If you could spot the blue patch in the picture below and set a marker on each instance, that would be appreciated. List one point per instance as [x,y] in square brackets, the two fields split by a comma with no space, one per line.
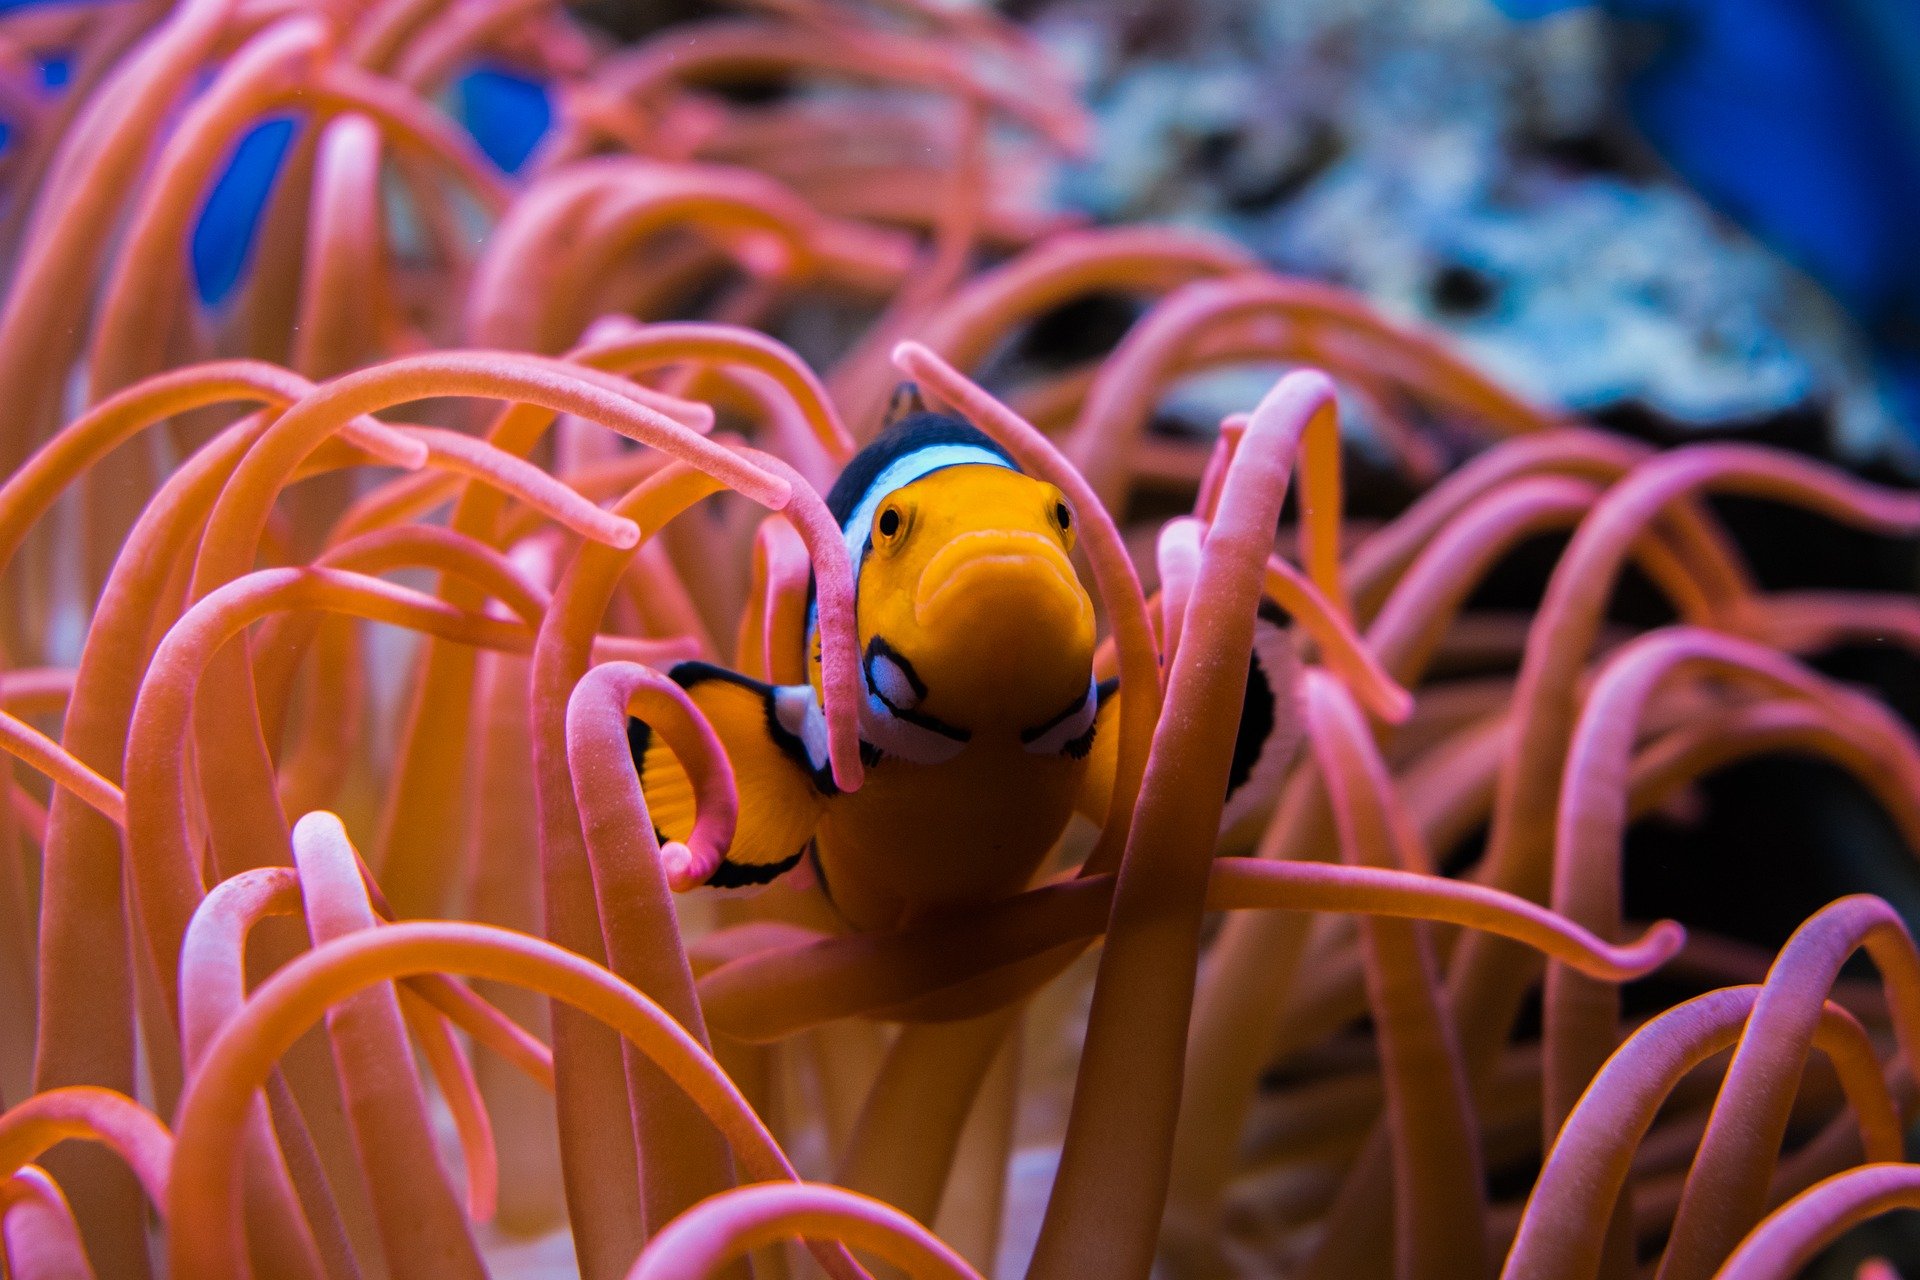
[229,222]
[1800,119]
[507,113]
[55,71]
[1776,114]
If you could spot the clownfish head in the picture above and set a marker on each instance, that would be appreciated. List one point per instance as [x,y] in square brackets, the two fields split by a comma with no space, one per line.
[972,620]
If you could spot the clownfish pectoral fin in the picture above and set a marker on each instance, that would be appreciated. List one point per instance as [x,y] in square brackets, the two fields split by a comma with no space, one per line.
[1269,737]
[1102,758]
[770,741]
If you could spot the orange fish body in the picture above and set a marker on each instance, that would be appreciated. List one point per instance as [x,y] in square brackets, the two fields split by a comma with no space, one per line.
[981,711]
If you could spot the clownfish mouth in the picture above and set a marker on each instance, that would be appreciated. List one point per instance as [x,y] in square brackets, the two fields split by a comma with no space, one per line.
[991,571]
[1002,633]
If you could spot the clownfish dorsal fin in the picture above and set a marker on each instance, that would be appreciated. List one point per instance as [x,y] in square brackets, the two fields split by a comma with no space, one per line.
[1271,730]
[905,401]
[775,741]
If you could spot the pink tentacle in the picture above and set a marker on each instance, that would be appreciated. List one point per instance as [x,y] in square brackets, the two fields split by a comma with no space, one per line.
[421,1226]
[772,644]
[1128,1092]
[633,881]
[1794,1233]
[1564,1231]
[39,1240]
[1439,1197]
[701,1242]
[1177,556]
[1580,1016]
[203,1188]
[28,744]
[212,988]
[135,1134]
[1726,1190]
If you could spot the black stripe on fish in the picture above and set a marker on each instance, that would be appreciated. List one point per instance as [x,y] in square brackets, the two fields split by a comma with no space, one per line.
[689,674]
[1073,709]
[879,648]
[1258,708]
[744,875]
[1256,722]
[1076,748]
[1270,724]
[1040,738]
[1080,747]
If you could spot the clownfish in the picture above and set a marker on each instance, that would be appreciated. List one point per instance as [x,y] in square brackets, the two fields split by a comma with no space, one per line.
[982,729]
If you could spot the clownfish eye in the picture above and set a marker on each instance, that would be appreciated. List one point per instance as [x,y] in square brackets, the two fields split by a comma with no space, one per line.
[887,524]
[1062,516]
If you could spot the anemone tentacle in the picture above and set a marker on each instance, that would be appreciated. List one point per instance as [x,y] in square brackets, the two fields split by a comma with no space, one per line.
[557,411]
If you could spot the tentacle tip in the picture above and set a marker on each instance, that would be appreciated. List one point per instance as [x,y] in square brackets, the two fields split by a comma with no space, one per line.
[848,774]
[1315,377]
[908,353]
[410,457]
[1300,389]
[678,861]
[693,864]
[767,257]
[1392,703]
[1661,943]
[316,820]
[623,534]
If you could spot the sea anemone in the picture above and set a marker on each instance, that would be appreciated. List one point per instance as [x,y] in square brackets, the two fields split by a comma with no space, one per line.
[461,461]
